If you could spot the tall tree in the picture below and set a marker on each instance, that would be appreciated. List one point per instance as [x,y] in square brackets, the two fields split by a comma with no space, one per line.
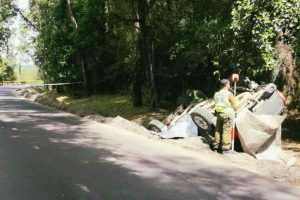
[191,42]
[6,65]
[144,69]
[6,12]
[79,56]
[268,27]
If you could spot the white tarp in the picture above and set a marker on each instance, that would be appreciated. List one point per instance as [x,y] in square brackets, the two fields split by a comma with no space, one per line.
[260,135]
[184,127]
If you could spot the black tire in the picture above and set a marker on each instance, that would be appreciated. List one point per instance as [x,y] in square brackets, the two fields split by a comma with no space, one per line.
[154,128]
[204,126]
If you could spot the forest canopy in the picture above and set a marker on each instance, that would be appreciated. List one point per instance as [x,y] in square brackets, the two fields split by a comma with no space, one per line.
[156,49]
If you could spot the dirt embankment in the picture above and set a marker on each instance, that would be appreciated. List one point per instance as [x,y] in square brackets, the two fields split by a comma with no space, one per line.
[291,135]
[278,171]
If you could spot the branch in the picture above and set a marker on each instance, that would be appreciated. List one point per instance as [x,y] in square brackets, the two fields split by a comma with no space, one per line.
[30,23]
[74,23]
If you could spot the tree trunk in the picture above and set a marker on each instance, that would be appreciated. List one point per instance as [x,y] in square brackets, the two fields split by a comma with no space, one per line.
[153,89]
[141,64]
[80,57]
[139,70]
[74,23]
[20,71]
[84,80]
[284,73]
[137,88]
[145,66]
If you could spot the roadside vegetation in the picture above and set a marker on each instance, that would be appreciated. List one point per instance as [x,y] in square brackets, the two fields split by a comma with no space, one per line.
[29,75]
[111,106]
[153,50]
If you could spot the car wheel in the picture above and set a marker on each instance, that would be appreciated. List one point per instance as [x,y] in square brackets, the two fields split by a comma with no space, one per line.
[201,122]
[154,128]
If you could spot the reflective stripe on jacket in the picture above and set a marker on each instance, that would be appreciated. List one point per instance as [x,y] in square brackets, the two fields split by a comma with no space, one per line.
[222,103]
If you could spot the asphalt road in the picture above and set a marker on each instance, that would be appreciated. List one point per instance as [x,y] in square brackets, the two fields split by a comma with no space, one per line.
[46,154]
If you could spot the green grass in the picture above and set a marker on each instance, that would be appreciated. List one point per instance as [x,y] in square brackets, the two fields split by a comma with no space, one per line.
[112,106]
[29,75]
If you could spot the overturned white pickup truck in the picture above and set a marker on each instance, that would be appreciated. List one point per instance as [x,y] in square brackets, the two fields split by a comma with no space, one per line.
[258,123]
[261,100]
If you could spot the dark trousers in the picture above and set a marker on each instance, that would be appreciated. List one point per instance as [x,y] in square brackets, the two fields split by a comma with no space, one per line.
[223,132]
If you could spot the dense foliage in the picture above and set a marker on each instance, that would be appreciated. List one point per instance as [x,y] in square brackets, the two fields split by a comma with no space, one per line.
[156,49]
[6,12]
[6,65]
[7,72]
[265,33]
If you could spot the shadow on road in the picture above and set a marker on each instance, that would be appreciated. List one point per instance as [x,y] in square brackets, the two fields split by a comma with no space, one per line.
[48,154]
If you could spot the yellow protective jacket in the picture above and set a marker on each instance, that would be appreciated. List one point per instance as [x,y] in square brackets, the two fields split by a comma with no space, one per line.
[222,103]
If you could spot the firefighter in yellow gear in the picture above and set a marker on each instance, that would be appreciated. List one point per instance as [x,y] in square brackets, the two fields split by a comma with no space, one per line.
[225,110]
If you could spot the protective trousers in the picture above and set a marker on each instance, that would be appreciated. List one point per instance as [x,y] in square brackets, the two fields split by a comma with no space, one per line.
[223,132]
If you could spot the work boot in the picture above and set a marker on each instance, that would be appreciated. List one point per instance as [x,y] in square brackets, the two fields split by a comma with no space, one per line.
[220,151]
[229,152]
[223,151]
[214,147]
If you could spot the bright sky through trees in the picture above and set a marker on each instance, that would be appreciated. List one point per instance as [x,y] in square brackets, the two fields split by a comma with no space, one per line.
[23,4]
[18,38]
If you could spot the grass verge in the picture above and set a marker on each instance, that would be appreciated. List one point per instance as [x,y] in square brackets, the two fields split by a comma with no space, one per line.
[111,106]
